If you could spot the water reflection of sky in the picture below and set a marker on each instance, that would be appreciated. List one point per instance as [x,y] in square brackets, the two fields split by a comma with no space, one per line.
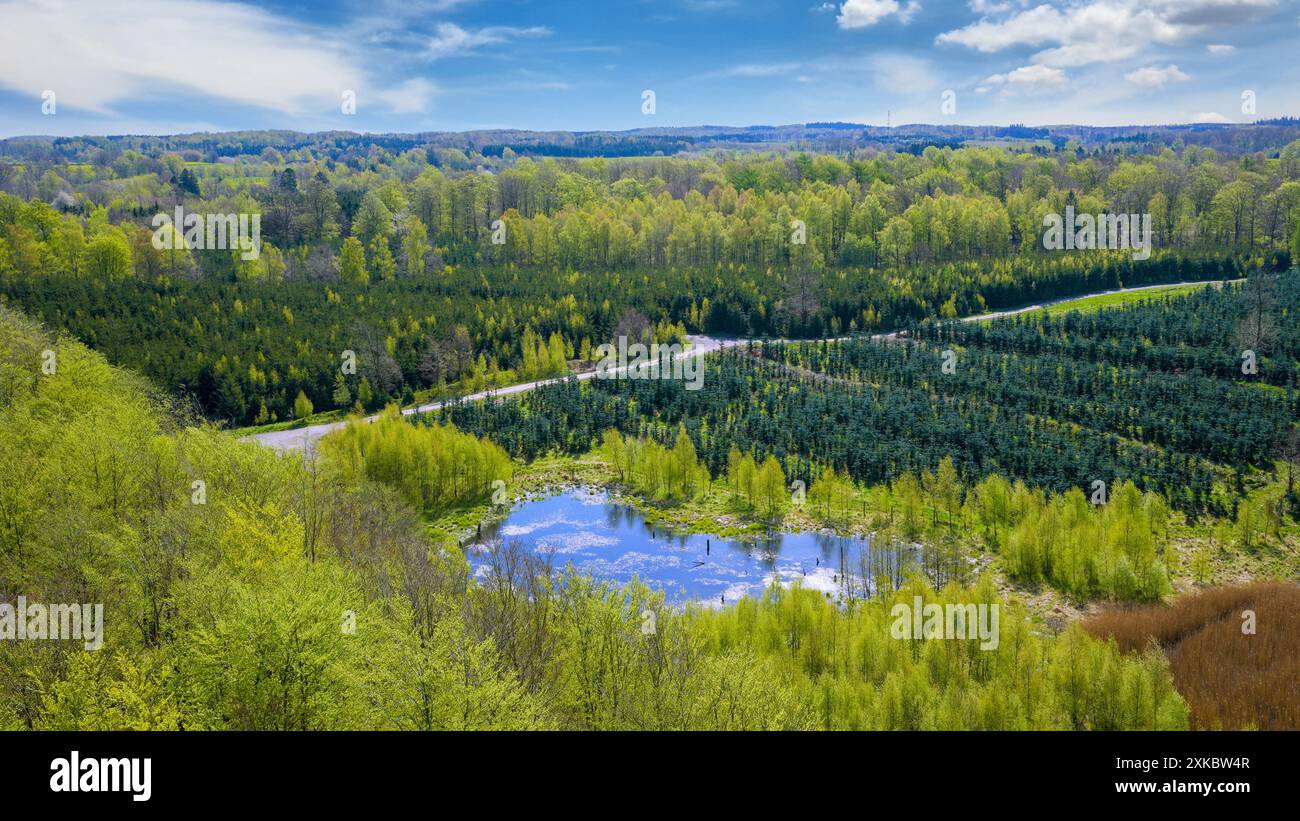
[613,541]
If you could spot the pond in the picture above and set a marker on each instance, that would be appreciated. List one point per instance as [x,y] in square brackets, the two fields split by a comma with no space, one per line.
[613,541]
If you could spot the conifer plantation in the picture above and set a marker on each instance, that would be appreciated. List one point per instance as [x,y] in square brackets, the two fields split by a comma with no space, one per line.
[298,483]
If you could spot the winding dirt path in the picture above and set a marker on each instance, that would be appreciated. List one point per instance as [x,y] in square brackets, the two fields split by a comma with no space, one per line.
[306,437]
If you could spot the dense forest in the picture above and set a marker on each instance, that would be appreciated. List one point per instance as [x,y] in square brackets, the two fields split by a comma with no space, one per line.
[224,609]
[442,274]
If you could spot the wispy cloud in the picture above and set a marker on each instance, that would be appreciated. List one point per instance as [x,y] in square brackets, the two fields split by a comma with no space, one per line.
[890,71]
[96,56]
[450,40]
[903,73]
[409,97]
[710,5]
[760,70]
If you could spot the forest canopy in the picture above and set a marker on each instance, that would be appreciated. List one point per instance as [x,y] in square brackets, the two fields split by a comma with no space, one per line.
[444,274]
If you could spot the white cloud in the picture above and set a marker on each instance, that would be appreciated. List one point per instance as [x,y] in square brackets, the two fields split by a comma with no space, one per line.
[1219,49]
[96,55]
[1209,117]
[856,14]
[451,40]
[1026,80]
[1155,77]
[1098,31]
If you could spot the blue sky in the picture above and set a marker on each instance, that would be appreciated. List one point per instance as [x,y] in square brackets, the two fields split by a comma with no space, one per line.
[165,66]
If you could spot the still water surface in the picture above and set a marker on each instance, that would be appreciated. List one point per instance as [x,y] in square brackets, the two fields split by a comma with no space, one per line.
[613,541]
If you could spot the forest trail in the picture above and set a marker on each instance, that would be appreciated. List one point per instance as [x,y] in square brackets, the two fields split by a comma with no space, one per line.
[306,437]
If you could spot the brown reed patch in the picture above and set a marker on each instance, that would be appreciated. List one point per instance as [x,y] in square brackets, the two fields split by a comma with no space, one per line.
[1230,679]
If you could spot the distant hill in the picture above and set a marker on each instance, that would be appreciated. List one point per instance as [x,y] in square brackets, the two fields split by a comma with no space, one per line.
[1267,136]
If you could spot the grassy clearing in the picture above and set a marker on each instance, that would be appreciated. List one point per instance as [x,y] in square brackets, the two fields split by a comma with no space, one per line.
[1096,303]
[323,417]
